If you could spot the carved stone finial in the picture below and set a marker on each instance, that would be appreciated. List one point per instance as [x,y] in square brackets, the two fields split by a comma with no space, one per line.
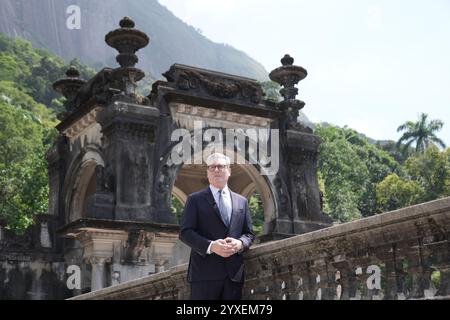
[288,76]
[287,60]
[69,86]
[127,41]
[126,22]
[72,72]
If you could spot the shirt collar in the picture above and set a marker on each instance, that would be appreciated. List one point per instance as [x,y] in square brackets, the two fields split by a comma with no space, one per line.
[215,190]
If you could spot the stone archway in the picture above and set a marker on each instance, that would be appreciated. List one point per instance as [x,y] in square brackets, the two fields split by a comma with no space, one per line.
[179,194]
[84,185]
[245,180]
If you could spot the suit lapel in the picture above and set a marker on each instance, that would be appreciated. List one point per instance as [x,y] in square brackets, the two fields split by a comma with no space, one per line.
[234,205]
[210,198]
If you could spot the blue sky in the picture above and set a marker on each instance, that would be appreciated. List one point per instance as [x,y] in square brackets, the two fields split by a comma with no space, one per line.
[372,65]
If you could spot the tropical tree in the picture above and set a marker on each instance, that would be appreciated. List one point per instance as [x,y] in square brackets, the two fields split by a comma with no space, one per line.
[394,192]
[27,127]
[349,170]
[422,133]
[426,177]
[34,70]
[431,170]
[343,173]
[24,139]
[392,149]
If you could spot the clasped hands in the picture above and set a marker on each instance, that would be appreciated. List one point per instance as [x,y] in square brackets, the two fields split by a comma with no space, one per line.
[226,247]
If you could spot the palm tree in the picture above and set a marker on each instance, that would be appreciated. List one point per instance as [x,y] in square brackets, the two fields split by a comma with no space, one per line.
[421,132]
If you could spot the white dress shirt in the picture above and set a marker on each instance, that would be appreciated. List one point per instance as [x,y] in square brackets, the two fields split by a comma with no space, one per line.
[226,198]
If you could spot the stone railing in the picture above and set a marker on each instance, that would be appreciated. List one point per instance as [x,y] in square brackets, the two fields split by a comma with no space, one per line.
[403,254]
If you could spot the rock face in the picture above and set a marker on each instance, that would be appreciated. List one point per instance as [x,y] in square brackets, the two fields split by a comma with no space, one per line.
[45,24]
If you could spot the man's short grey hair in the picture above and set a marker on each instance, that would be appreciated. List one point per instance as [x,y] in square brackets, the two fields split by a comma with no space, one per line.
[212,158]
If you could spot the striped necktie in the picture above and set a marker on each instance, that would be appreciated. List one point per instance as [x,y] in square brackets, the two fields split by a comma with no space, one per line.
[223,209]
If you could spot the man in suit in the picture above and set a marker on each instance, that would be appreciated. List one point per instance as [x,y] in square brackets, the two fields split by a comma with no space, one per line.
[217,226]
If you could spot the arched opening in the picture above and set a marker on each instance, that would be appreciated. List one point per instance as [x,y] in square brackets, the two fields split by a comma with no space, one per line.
[245,180]
[177,207]
[257,209]
[90,190]
[85,184]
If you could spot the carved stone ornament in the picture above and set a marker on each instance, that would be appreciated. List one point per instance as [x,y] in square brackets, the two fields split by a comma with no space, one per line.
[69,88]
[224,87]
[127,41]
[288,75]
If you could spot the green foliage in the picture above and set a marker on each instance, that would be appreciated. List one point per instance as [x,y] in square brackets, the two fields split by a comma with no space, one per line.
[27,129]
[359,179]
[436,278]
[350,168]
[325,204]
[10,68]
[394,192]
[34,70]
[422,133]
[342,176]
[257,212]
[426,178]
[23,169]
[177,208]
[426,174]
[431,170]
[400,155]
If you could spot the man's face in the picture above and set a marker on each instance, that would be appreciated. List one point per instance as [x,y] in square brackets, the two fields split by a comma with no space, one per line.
[218,173]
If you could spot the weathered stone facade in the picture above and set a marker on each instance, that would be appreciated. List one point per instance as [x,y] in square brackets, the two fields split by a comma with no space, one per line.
[32,266]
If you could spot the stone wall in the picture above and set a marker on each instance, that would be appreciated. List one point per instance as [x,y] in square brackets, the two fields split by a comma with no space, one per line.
[25,277]
[403,254]
[30,266]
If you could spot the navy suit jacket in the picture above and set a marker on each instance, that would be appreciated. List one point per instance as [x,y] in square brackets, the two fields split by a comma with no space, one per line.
[202,224]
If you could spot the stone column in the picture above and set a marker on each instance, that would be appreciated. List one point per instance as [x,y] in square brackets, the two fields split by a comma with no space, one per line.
[98,249]
[98,276]
[129,133]
[129,125]
[305,193]
[300,149]
[45,236]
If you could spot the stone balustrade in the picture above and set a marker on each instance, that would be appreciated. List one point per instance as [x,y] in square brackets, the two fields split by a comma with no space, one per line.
[403,254]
